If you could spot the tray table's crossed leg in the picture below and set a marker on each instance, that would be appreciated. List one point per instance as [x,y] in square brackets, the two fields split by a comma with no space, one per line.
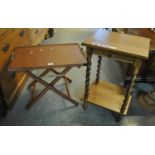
[34,82]
[56,72]
[46,72]
[49,86]
[67,89]
[33,89]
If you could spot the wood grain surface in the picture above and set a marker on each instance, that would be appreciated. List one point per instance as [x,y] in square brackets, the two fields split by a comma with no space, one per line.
[144,32]
[108,95]
[126,44]
[47,56]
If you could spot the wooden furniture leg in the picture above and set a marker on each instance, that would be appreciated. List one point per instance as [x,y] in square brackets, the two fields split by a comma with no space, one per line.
[51,32]
[67,89]
[117,116]
[46,72]
[33,89]
[51,88]
[35,99]
[89,56]
[126,82]
[42,74]
[56,72]
[136,67]
[98,69]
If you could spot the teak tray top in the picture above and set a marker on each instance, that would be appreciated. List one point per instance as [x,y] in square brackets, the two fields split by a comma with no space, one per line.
[120,43]
[47,56]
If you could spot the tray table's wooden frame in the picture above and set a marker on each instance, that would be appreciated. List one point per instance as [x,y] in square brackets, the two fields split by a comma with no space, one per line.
[81,61]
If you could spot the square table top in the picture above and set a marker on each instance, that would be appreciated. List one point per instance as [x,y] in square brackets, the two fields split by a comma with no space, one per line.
[126,44]
[47,56]
[144,32]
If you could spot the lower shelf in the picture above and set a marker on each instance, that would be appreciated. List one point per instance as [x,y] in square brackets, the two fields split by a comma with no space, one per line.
[107,95]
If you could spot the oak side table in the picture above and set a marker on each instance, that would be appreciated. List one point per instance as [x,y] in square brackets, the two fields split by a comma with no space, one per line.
[123,47]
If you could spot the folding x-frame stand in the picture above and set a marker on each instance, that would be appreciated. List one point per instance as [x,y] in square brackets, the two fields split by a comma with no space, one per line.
[51,86]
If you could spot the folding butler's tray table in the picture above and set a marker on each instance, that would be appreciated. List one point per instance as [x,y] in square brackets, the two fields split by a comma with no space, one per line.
[48,57]
[126,48]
